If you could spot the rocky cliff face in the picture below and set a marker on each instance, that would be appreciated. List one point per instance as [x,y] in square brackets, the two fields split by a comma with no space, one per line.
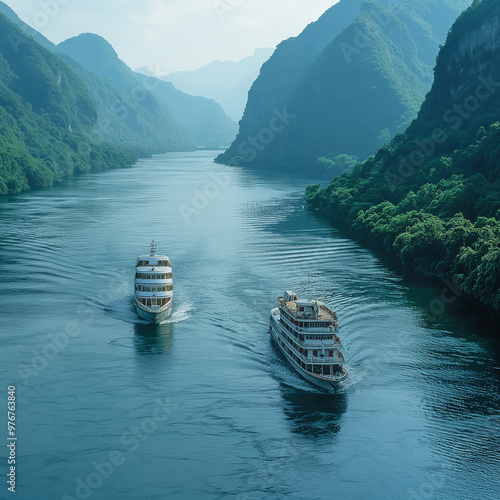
[467,74]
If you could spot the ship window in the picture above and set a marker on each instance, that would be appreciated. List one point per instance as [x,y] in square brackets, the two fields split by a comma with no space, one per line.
[315,354]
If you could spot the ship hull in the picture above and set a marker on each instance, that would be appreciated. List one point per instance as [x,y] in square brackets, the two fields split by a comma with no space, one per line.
[154,316]
[322,382]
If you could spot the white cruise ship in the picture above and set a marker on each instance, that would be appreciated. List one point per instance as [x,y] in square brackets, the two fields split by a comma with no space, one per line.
[153,286]
[306,333]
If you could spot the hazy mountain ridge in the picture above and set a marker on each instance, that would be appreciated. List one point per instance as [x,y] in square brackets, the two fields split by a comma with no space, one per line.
[227,82]
[432,196]
[203,119]
[373,74]
[122,118]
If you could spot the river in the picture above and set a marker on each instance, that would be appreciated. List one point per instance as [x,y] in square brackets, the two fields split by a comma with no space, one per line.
[204,406]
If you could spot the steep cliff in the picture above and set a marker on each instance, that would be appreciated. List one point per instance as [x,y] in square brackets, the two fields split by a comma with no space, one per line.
[431,198]
[285,69]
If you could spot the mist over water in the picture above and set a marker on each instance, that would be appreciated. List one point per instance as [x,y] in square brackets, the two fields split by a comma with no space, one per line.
[204,406]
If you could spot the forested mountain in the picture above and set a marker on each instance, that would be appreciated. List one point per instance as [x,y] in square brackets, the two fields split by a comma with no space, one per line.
[137,121]
[431,197]
[122,118]
[47,117]
[227,82]
[354,95]
[203,118]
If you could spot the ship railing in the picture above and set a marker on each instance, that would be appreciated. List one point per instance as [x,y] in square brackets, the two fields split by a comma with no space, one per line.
[336,359]
[150,309]
[315,330]
[312,343]
[323,330]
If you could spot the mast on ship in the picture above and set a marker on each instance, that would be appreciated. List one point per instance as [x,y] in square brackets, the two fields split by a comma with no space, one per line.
[153,246]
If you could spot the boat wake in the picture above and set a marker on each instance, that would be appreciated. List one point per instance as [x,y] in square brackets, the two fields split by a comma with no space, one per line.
[180,313]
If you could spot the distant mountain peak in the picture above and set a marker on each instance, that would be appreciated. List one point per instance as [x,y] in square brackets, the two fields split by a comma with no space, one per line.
[227,82]
[93,44]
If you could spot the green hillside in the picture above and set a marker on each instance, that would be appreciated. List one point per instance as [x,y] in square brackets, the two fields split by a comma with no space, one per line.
[431,197]
[129,120]
[47,117]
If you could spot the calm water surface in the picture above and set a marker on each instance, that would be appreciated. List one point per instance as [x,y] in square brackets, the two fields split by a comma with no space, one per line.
[204,407]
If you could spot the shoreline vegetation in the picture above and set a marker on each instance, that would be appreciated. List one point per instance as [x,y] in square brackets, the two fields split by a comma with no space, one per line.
[431,197]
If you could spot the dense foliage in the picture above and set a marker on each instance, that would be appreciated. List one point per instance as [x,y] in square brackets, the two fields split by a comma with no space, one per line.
[46,118]
[432,196]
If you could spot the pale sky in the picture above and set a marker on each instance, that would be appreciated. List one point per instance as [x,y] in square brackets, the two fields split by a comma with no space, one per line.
[172,35]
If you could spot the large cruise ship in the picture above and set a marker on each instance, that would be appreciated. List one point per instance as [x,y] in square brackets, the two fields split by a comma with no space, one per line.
[306,333]
[153,286]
